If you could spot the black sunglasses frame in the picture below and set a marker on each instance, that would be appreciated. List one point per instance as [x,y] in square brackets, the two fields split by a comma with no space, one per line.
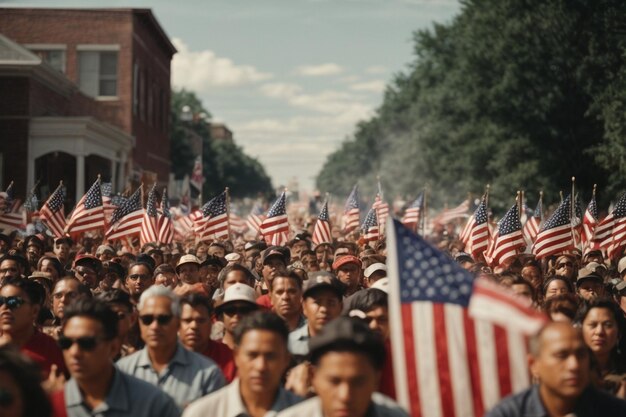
[12,302]
[162,319]
[86,343]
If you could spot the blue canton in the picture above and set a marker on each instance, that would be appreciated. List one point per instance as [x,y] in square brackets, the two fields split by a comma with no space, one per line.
[165,204]
[353,199]
[510,222]
[324,213]
[370,220]
[130,205]
[278,208]
[93,198]
[151,205]
[560,217]
[215,207]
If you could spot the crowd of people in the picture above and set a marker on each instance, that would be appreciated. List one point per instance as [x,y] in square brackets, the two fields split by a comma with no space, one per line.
[246,329]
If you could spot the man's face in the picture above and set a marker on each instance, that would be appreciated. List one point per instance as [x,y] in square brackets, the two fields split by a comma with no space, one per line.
[63,294]
[235,277]
[234,312]
[562,364]
[9,269]
[320,307]
[217,251]
[106,255]
[297,248]
[86,364]
[350,275]
[189,273]
[271,267]
[33,253]
[345,382]
[208,274]
[87,276]
[62,251]
[378,320]
[590,289]
[138,280]
[20,318]
[155,334]
[286,297]
[47,266]
[261,360]
[310,263]
[195,327]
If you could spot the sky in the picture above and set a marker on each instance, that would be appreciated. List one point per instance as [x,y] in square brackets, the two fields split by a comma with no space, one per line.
[290,78]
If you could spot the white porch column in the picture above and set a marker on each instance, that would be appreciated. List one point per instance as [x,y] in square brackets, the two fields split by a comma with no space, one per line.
[113,174]
[80,176]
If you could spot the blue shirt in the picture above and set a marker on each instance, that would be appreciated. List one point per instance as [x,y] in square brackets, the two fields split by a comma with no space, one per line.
[186,378]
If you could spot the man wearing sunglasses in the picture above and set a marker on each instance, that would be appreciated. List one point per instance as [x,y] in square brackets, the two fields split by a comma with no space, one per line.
[89,341]
[239,301]
[164,362]
[139,278]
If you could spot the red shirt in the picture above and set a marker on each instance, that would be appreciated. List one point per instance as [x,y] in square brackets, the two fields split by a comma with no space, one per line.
[223,356]
[265,301]
[44,350]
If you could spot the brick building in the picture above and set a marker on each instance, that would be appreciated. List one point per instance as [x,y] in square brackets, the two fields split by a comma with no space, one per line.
[84,92]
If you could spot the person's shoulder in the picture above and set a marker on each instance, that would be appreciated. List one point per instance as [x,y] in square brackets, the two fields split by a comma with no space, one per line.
[310,407]
[211,403]
[385,406]
[604,402]
[127,363]
[151,395]
[517,404]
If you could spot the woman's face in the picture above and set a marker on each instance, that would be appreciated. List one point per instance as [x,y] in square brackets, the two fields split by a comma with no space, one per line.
[556,287]
[600,330]
[11,402]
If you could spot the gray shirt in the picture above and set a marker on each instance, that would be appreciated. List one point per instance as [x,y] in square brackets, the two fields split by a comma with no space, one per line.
[186,378]
[299,341]
[128,397]
[227,402]
[381,406]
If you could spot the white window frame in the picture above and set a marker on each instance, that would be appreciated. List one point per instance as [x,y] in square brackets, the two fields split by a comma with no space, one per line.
[46,47]
[86,47]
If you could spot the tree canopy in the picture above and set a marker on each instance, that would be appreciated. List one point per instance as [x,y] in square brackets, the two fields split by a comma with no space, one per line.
[521,95]
[224,164]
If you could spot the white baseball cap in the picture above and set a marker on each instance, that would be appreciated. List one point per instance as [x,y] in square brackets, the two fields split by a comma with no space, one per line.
[381,284]
[378,266]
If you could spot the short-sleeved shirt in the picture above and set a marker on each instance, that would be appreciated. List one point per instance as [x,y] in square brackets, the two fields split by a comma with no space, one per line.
[299,341]
[45,351]
[128,397]
[223,356]
[227,402]
[187,377]
[381,406]
[592,402]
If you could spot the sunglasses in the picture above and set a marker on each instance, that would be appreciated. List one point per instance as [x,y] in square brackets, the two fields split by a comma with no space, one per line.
[564,264]
[87,343]
[162,319]
[12,301]
[242,311]
[6,398]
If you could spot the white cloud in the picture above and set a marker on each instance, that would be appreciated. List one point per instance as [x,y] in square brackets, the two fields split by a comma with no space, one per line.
[374,86]
[376,69]
[200,70]
[319,70]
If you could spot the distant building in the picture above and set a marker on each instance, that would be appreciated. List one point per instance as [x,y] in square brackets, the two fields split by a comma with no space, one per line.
[219,131]
[84,92]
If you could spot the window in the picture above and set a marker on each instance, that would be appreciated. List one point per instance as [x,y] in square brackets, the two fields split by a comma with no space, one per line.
[97,73]
[55,58]
[135,88]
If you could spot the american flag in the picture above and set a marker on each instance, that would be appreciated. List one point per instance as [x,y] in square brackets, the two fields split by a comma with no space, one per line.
[479,231]
[127,219]
[9,201]
[532,225]
[31,205]
[197,179]
[275,227]
[107,190]
[166,227]
[411,218]
[237,223]
[448,362]
[590,221]
[11,218]
[555,236]
[460,211]
[52,213]
[149,225]
[88,213]
[322,230]
[255,218]
[351,213]
[381,207]
[214,221]
[183,225]
[508,241]
[611,232]
[369,228]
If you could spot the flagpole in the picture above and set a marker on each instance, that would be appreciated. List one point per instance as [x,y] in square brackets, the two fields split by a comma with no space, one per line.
[541,199]
[572,209]
[519,198]
[424,216]
[226,190]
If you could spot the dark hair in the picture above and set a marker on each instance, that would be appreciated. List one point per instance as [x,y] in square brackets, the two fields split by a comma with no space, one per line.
[116,296]
[164,269]
[292,275]
[602,302]
[95,309]
[34,290]
[566,304]
[197,300]
[235,267]
[56,264]
[518,280]
[27,376]
[307,252]
[567,282]
[370,299]
[144,264]
[261,320]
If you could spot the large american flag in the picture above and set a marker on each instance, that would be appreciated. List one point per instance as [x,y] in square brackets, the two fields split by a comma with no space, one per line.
[214,221]
[479,231]
[107,191]
[509,240]
[149,225]
[590,221]
[611,232]
[166,227]
[555,236]
[88,213]
[447,362]
[351,213]
[533,223]
[127,219]
[412,215]
[322,230]
[370,229]
[255,218]
[275,227]
[52,213]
